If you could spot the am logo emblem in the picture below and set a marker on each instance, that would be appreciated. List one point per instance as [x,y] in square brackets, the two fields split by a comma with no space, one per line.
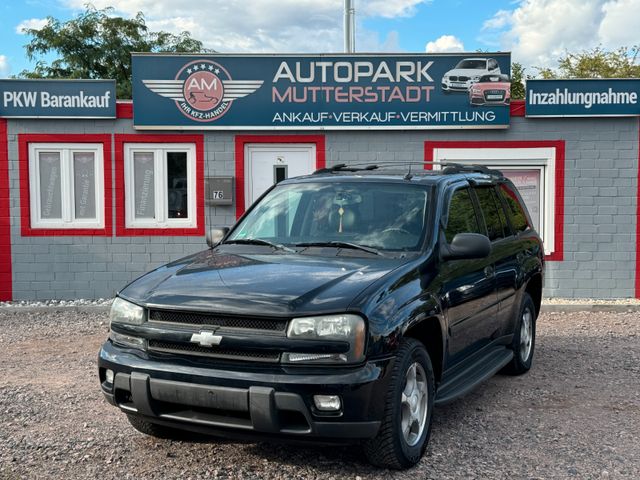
[203,90]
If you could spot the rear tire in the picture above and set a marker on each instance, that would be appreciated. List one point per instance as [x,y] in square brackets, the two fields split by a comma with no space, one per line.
[406,425]
[155,430]
[524,338]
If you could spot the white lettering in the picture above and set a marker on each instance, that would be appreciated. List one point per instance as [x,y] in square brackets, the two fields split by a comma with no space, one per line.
[284,72]
[585,99]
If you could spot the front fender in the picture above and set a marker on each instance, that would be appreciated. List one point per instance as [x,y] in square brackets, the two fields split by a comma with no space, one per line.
[397,311]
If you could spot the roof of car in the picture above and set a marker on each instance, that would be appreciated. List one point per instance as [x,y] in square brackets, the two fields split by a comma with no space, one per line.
[400,173]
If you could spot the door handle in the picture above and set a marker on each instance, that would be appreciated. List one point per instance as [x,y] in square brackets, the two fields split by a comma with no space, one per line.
[488,271]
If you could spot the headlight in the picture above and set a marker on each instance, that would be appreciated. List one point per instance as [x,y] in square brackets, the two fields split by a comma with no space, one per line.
[126,312]
[476,78]
[345,327]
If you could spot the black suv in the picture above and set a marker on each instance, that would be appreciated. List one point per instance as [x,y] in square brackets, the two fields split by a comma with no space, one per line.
[342,307]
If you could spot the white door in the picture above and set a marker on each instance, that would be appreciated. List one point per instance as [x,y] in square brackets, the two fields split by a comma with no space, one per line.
[267,164]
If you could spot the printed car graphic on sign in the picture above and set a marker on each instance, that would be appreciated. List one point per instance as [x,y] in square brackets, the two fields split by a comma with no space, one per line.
[491,90]
[467,72]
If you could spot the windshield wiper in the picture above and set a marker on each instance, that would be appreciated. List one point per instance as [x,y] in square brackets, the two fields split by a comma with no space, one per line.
[339,244]
[259,241]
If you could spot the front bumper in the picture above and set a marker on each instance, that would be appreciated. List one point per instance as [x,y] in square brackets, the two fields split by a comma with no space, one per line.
[481,99]
[243,403]
[461,86]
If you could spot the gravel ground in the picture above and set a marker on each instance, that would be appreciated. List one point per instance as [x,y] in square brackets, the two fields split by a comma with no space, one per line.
[106,302]
[576,414]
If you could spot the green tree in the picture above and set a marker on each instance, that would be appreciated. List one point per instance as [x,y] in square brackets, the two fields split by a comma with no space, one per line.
[596,63]
[97,44]
[517,81]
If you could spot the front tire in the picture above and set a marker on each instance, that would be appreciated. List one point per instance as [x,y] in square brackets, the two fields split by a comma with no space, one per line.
[406,426]
[524,338]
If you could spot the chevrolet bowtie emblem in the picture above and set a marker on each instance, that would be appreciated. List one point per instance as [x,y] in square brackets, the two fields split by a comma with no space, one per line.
[206,339]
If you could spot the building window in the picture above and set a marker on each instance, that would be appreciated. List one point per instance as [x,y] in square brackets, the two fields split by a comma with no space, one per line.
[160,185]
[66,185]
[532,169]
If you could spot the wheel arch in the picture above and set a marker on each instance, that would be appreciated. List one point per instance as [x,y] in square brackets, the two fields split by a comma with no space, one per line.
[429,331]
[534,289]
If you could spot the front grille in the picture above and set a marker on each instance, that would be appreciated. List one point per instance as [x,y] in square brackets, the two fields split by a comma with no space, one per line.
[196,318]
[498,95]
[213,352]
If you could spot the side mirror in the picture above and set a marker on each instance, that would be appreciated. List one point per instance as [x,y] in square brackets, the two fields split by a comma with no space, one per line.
[215,235]
[467,246]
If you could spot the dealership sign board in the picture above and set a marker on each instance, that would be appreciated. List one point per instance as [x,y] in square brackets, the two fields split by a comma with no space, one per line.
[45,98]
[321,91]
[583,98]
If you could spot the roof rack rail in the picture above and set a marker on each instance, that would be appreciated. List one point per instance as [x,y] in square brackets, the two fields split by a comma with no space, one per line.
[343,167]
[451,168]
[448,168]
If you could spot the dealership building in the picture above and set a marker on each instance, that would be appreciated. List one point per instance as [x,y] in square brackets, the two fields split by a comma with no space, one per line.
[95,192]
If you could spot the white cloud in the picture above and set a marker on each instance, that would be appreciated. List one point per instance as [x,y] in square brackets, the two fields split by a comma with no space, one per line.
[538,32]
[36,23]
[500,19]
[389,8]
[620,23]
[369,41]
[5,68]
[445,44]
[264,25]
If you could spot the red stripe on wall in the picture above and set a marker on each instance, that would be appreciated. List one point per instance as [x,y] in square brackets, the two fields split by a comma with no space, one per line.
[242,140]
[517,108]
[638,221]
[124,110]
[6,286]
[558,253]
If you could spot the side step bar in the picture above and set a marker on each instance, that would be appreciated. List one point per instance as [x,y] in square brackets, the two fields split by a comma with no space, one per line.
[466,379]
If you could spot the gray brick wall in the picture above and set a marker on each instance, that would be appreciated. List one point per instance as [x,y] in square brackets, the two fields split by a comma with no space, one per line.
[70,267]
[601,168]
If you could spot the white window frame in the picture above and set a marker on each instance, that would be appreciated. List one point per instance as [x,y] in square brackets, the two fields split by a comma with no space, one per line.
[526,158]
[68,220]
[161,188]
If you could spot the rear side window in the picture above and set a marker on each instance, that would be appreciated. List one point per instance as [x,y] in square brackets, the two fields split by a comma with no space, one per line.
[493,213]
[516,211]
[462,216]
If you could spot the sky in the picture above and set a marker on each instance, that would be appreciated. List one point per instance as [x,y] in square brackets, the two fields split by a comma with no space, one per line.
[537,32]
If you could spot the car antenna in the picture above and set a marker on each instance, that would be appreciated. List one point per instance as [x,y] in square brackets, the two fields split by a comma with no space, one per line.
[409,175]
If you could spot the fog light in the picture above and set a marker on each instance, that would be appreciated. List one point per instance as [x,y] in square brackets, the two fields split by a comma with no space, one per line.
[108,376]
[127,340]
[314,358]
[327,403]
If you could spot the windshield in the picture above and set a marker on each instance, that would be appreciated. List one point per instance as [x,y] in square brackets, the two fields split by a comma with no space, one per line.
[493,78]
[473,64]
[383,216]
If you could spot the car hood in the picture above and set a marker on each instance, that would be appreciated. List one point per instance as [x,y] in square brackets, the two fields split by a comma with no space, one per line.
[467,72]
[259,283]
[493,86]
